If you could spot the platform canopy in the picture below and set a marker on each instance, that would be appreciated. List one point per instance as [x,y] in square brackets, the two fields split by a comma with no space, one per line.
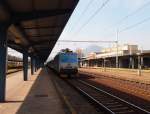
[35,25]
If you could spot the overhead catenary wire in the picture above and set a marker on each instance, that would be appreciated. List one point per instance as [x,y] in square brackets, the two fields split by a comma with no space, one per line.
[129,15]
[92,16]
[136,24]
[87,41]
[127,28]
[83,13]
[133,13]
[124,18]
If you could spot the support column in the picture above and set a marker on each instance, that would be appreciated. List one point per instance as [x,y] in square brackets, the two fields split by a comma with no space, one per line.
[32,65]
[3,54]
[142,63]
[104,64]
[35,65]
[139,65]
[131,62]
[42,64]
[25,65]
[120,63]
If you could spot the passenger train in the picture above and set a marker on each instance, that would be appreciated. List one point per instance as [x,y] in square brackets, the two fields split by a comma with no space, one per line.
[14,62]
[65,63]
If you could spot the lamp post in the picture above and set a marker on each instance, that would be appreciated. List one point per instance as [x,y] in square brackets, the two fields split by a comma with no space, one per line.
[104,64]
[141,57]
[130,53]
[117,48]
[139,64]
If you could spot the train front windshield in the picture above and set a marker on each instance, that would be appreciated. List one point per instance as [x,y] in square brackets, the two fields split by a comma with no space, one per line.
[68,58]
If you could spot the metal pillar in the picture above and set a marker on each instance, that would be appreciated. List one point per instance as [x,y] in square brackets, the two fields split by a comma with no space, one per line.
[104,64]
[142,62]
[35,67]
[117,58]
[3,54]
[37,64]
[139,66]
[32,65]
[25,65]
[131,62]
[120,63]
[41,64]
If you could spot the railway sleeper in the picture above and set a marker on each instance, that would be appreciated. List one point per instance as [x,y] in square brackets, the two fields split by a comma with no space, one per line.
[111,103]
[126,112]
[120,108]
[108,101]
[102,98]
[118,105]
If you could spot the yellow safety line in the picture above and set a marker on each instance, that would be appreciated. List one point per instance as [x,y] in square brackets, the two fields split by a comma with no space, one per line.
[69,105]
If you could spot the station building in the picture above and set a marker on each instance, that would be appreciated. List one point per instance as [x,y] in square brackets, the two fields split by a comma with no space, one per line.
[127,56]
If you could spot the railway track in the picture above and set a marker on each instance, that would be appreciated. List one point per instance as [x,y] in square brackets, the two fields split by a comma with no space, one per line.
[14,71]
[136,89]
[135,83]
[105,101]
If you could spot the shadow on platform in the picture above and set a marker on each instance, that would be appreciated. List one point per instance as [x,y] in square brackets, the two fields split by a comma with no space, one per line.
[34,101]
[35,96]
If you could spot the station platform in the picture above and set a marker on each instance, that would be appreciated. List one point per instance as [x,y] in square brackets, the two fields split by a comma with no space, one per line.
[35,96]
[130,75]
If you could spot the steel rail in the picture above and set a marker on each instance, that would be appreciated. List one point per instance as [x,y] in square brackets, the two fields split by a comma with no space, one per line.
[124,101]
[108,111]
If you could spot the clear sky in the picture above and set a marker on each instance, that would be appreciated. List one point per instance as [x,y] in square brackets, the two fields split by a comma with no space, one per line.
[104,25]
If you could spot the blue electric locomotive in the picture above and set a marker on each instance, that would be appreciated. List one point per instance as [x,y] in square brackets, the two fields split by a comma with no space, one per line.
[65,63]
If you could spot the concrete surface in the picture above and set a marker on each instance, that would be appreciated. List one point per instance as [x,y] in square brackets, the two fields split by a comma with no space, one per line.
[35,96]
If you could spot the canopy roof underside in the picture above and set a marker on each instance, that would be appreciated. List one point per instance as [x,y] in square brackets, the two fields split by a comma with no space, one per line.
[35,24]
